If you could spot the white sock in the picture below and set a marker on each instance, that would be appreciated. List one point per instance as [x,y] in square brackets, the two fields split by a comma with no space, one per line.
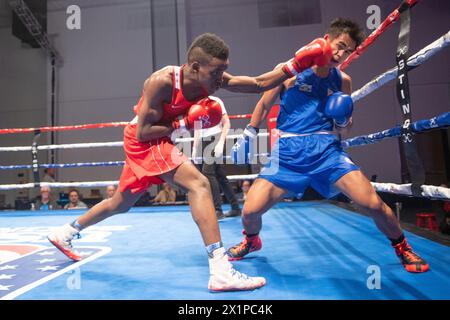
[210,249]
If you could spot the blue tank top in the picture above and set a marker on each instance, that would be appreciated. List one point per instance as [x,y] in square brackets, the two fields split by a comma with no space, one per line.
[301,106]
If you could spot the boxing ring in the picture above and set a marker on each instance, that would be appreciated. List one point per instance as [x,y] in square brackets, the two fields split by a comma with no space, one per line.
[311,249]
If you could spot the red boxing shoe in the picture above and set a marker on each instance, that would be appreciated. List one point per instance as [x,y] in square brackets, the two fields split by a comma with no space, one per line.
[410,260]
[249,244]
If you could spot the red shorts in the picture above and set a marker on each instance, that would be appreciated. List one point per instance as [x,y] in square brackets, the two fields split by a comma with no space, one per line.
[146,161]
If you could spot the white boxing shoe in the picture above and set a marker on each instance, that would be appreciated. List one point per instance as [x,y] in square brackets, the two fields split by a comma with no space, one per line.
[62,238]
[223,277]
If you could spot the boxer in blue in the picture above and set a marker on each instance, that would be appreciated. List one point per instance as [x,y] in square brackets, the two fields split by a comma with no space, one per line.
[308,152]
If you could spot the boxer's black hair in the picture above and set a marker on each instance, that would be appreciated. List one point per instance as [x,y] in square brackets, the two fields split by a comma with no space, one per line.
[210,45]
[341,25]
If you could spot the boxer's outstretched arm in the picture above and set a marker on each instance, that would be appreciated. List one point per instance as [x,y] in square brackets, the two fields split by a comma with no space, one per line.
[318,52]
[257,84]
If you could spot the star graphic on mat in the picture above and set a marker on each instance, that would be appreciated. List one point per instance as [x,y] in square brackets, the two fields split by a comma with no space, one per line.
[48,268]
[4,288]
[6,276]
[46,253]
[8,267]
[85,253]
[45,260]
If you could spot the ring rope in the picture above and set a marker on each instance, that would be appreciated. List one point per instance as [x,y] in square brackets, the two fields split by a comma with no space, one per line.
[432,192]
[413,62]
[95,183]
[437,122]
[65,165]
[442,120]
[97,144]
[89,126]
[58,185]
[392,17]
[65,128]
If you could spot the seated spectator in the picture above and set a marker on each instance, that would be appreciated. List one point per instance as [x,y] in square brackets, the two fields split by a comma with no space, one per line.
[74,201]
[167,194]
[244,187]
[45,202]
[110,190]
[144,201]
[49,175]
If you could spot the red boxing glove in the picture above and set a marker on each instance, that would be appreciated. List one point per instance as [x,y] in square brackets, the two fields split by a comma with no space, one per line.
[207,112]
[317,53]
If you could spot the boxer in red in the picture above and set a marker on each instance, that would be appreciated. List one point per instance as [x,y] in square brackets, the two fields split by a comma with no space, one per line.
[175,98]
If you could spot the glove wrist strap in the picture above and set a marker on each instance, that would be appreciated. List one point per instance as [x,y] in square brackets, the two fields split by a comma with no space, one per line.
[342,125]
[251,131]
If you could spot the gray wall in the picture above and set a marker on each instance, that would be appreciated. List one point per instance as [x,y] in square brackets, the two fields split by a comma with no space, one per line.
[23,103]
[106,62]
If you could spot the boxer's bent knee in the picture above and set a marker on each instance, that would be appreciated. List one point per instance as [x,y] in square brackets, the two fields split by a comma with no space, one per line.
[200,184]
[252,208]
[373,204]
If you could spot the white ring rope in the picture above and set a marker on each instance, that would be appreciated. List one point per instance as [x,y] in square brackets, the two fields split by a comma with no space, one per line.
[231,137]
[97,183]
[432,192]
[59,185]
[413,61]
[99,144]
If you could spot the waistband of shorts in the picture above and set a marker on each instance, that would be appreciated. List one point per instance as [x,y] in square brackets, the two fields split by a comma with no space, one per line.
[290,134]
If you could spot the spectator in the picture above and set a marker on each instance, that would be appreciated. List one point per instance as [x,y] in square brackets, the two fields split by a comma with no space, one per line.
[144,201]
[49,175]
[74,201]
[213,167]
[45,202]
[244,187]
[110,190]
[167,194]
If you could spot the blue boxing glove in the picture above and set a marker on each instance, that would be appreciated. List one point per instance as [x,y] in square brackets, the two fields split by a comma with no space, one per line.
[242,151]
[339,107]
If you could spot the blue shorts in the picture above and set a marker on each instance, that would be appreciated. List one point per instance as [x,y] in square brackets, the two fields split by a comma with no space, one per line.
[315,160]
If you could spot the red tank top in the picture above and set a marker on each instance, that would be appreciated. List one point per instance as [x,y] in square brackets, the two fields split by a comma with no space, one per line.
[179,104]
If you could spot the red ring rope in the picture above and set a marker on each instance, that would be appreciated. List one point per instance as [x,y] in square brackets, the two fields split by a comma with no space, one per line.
[394,16]
[89,126]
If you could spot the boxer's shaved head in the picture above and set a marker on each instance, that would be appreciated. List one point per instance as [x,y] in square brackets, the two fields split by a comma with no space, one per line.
[207,46]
